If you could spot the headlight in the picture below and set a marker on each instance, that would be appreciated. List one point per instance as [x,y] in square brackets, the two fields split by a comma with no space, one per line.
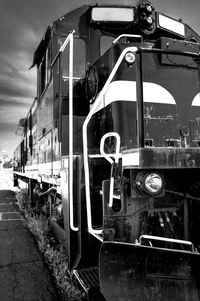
[130,57]
[150,183]
[149,8]
[149,20]
[153,183]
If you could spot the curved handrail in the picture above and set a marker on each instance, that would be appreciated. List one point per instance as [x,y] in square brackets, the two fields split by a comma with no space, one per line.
[166,239]
[116,156]
[85,141]
[137,36]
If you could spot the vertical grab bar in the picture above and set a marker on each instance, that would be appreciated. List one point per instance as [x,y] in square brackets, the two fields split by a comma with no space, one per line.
[71,201]
[69,40]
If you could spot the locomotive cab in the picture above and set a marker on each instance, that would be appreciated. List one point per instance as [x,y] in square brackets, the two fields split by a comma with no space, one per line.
[146,84]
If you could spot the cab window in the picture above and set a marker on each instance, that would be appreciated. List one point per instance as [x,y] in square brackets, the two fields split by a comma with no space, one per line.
[45,70]
[78,59]
[105,43]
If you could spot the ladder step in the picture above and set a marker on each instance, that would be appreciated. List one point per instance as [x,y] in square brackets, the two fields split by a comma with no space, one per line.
[88,278]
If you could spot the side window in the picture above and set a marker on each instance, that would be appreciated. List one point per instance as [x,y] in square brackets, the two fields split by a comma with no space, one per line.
[78,59]
[105,43]
[45,71]
[43,75]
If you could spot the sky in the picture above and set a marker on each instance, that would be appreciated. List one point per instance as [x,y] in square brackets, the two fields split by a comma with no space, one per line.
[22,26]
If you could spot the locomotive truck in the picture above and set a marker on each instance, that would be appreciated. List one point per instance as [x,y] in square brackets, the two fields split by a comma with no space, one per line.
[115,128]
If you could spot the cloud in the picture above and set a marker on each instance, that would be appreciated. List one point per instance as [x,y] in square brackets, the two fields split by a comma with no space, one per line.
[13,101]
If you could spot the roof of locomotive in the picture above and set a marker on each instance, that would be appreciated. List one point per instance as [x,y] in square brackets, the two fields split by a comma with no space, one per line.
[71,20]
[66,23]
[74,20]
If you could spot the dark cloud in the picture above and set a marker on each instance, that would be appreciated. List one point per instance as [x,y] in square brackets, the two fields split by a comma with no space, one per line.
[8,126]
[21,90]
[12,103]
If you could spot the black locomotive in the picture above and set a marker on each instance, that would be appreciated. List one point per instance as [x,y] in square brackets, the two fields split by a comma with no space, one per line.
[115,127]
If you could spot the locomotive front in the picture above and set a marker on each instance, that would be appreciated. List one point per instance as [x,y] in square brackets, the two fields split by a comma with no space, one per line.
[147,114]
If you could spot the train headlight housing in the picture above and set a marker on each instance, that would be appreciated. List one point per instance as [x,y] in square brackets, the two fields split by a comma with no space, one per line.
[146,17]
[130,57]
[150,183]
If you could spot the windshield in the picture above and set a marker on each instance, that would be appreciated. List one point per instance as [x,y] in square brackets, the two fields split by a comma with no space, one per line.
[78,56]
[105,43]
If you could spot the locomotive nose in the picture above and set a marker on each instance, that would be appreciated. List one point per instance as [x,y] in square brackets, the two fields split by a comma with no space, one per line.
[128,272]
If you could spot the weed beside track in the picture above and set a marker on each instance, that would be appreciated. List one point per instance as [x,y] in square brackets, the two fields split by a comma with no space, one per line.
[51,249]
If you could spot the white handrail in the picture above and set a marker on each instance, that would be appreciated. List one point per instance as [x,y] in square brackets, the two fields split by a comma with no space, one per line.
[127,36]
[69,40]
[108,158]
[71,201]
[166,239]
[62,48]
[116,154]
[85,142]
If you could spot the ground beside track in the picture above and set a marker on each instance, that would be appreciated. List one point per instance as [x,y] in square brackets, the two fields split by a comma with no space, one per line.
[23,274]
